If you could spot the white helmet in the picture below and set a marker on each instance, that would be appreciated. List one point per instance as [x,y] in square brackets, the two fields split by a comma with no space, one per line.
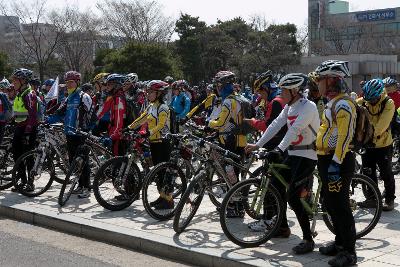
[333,68]
[293,81]
[132,77]
[4,84]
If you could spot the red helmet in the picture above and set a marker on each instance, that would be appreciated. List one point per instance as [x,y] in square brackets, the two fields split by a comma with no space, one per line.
[72,75]
[157,85]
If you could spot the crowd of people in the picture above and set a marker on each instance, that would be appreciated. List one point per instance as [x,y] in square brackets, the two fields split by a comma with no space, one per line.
[307,121]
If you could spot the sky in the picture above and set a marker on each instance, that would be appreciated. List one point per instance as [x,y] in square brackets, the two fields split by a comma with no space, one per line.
[276,11]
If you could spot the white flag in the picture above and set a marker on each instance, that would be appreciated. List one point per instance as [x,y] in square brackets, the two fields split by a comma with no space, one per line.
[53,92]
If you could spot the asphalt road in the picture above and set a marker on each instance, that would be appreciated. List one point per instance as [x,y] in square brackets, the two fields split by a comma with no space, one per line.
[27,245]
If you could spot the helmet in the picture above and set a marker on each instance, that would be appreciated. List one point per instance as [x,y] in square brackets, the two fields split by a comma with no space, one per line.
[100,78]
[4,84]
[181,84]
[22,73]
[210,88]
[72,75]
[333,68]
[49,82]
[35,81]
[169,79]
[312,81]
[157,85]
[132,78]
[224,77]
[293,81]
[263,80]
[389,81]
[87,87]
[373,89]
[117,78]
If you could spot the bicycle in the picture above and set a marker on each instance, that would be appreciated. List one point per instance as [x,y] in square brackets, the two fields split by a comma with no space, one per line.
[76,167]
[254,193]
[212,159]
[6,163]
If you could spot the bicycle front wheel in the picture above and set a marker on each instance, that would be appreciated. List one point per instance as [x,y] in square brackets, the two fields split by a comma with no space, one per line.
[365,203]
[71,180]
[190,202]
[240,227]
[6,166]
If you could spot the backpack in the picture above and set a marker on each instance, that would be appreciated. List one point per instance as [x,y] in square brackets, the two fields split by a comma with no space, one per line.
[248,112]
[7,108]
[364,130]
[131,111]
[89,120]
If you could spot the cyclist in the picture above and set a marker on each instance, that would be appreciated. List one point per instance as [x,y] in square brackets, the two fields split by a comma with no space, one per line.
[269,93]
[25,113]
[180,104]
[5,106]
[392,91]
[116,105]
[157,117]
[99,100]
[75,110]
[336,162]
[134,107]
[302,120]
[314,94]
[168,94]
[381,108]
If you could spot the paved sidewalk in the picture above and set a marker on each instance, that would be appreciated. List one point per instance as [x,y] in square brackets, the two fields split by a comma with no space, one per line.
[203,243]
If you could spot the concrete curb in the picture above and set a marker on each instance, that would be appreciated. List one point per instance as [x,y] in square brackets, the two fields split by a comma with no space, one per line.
[151,243]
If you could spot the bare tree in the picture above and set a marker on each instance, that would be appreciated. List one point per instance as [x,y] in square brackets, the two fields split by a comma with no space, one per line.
[79,34]
[34,38]
[258,22]
[136,20]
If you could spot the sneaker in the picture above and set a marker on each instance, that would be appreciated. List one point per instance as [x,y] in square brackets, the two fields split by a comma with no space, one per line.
[156,202]
[164,204]
[367,204]
[330,250]
[77,191]
[388,205]
[343,259]
[282,232]
[85,193]
[233,212]
[262,225]
[14,189]
[29,188]
[304,247]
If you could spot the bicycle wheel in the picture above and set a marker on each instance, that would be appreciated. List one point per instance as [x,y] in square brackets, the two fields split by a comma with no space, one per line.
[71,180]
[33,173]
[162,176]
[362,188]
[108,186]
[6,166]
[190,202]
[238,229]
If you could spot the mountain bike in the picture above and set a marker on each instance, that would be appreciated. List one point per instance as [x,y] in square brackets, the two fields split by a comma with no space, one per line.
[6,163]
[262,201]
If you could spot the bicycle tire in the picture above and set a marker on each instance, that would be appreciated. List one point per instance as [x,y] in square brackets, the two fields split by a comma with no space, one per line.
[103,174]
[47,165]
[6,175]
[195,184]
[365,180]
[150,178]
[232,235]
[69,185]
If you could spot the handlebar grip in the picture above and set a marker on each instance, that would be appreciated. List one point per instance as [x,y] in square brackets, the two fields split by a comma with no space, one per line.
[233,155]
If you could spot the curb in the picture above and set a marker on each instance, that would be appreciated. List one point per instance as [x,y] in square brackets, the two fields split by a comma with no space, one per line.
[149,245]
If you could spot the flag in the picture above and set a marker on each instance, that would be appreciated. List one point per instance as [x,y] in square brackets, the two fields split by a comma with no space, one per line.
[53,92]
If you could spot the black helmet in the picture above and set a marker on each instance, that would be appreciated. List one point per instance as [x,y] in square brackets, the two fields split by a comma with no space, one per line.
[87,87]
[35,81]
[169,80]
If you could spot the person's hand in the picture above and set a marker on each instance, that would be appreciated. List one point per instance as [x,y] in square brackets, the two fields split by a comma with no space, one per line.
[334,171]
[144,134]
[275,155]
[250,148]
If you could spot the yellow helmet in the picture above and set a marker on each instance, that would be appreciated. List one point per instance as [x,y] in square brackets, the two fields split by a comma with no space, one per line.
[313,81]
[261,80]
[101,77]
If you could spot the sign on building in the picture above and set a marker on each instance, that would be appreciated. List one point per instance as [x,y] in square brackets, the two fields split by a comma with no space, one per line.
[374,15]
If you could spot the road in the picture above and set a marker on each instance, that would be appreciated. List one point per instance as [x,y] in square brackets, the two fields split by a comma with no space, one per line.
[27,245]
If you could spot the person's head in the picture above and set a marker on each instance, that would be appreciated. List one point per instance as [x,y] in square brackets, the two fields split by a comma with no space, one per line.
[5,85]
[390,84]
[48,84]
[209,89]
[99,81]
[313,92]
[130,81]
[223,82]
[179,86]
[155,90]
[169,80]
[373,90]
[87,88]
[330,77]
[35,83]
[292,86]
[265,86]
[20,78]
[114,82]
[72,80]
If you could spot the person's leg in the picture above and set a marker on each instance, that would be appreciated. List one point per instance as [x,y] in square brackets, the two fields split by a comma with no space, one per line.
[384,162]
[18,144]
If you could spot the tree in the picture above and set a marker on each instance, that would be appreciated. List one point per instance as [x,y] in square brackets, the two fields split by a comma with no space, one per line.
[149,61]
[136,20]
[5,69]
[35,39]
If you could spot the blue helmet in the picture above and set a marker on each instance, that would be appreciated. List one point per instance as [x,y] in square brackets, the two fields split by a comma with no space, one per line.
[373,89]
[49,82]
